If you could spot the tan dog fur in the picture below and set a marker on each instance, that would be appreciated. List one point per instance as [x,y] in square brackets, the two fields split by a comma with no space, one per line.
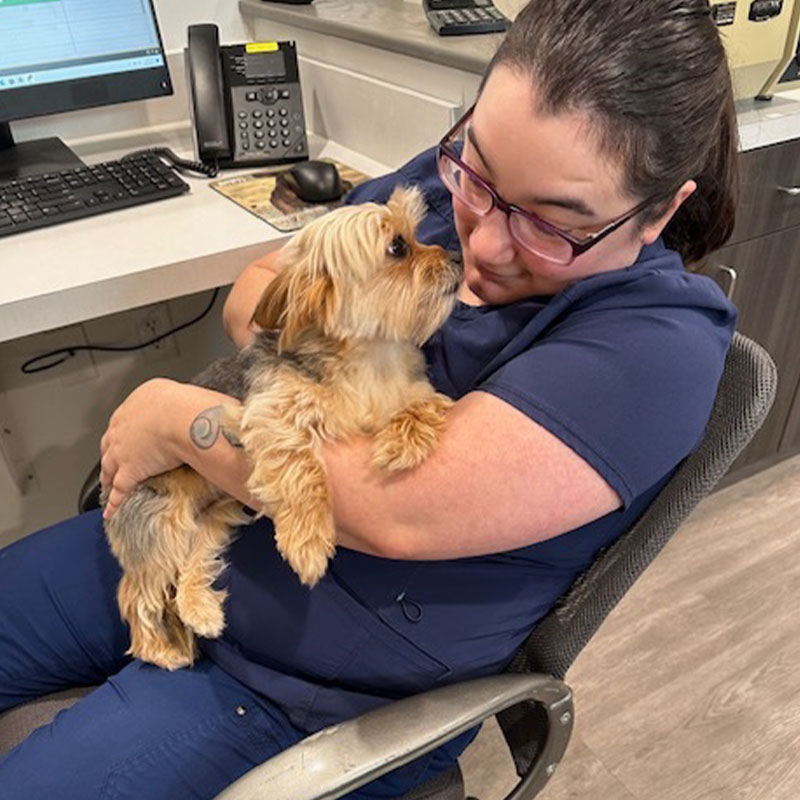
[338,357]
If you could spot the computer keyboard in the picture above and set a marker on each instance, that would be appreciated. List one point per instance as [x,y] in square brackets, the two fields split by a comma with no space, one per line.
[54,197]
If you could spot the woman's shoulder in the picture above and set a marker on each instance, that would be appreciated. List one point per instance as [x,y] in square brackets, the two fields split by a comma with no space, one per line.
[658,276]
[659,280]
[420,171]
[625,371]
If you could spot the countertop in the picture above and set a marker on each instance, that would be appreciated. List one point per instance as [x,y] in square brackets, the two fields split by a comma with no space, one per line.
[142,255]
[394,25]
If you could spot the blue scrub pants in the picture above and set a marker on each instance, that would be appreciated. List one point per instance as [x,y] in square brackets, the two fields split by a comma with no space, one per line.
[144,732]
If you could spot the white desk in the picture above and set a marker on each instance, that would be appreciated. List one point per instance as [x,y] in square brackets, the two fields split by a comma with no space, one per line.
[124,259]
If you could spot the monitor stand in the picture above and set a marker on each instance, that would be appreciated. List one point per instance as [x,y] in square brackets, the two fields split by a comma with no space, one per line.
[23,159]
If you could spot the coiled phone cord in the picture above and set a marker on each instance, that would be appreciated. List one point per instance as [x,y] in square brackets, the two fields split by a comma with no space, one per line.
[173,160]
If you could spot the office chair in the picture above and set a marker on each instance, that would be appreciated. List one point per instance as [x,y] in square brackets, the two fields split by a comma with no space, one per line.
[532,704]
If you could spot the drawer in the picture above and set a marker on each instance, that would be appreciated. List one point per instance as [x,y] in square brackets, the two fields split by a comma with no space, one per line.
[763,206]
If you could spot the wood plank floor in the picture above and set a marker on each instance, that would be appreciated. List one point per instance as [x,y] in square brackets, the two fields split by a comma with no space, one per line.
[691,688]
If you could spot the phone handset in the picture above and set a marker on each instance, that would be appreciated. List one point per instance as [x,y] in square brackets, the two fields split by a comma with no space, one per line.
[206,89]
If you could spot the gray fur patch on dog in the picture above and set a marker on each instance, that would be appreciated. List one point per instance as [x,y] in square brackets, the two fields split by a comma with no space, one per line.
[227,375]
[140,540]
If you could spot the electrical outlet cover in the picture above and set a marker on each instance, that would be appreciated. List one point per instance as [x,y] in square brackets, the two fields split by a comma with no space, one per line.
[155,321]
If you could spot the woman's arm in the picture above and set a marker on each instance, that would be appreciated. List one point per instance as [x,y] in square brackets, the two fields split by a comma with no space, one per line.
[496,481]
[163,424]
[244,296]
[152,432]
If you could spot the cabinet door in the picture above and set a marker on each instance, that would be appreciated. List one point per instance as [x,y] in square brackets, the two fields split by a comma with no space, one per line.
[767,294]
[790,443]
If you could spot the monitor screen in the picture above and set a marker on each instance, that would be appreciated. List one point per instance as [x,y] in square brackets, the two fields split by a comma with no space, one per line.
[64,55]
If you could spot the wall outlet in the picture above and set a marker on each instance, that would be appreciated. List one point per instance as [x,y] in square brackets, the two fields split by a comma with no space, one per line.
[156,321]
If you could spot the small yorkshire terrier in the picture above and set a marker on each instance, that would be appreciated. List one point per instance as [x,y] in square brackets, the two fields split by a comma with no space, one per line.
[337,356]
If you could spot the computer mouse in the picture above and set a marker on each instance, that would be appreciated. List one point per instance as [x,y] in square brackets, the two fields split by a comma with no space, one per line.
[313,181]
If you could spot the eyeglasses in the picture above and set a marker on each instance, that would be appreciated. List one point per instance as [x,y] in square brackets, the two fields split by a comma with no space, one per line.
[529,230]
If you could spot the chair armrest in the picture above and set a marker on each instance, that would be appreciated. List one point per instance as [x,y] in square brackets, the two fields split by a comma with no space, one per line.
[341,758]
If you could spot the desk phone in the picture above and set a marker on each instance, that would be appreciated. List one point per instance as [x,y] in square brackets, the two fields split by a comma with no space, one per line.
[246,106]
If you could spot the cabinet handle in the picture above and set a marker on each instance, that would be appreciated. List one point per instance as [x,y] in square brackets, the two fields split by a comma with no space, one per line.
[731,273]
[792,191]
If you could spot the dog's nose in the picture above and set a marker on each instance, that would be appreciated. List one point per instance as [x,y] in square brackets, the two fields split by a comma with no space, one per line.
[455,268]
[456,260]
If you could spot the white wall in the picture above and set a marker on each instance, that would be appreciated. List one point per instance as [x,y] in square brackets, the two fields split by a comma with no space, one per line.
[53,420]
[175,15]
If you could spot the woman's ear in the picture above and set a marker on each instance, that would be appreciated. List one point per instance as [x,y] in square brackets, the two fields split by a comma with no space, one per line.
[653,229]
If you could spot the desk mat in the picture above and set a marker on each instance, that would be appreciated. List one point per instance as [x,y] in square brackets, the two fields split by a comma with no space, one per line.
[280,207]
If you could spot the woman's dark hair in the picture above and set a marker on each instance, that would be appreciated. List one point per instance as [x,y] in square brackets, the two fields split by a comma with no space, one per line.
[653,77]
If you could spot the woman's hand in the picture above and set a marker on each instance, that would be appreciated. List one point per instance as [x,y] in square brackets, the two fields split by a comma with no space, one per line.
[140,440]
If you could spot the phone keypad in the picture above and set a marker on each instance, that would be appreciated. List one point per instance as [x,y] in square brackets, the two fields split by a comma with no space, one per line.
[453,17]
[270,124]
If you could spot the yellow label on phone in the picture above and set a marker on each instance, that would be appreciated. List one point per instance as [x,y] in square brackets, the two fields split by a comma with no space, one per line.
[261,47]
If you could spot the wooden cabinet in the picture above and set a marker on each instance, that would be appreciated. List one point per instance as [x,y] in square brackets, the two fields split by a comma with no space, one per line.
[765,254]
[767,294]
[766,201]
[790,443]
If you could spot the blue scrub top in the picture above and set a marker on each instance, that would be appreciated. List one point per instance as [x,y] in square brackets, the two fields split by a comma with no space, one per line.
[623,367]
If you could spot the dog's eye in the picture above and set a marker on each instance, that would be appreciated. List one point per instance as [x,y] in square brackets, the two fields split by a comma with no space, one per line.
[398,248]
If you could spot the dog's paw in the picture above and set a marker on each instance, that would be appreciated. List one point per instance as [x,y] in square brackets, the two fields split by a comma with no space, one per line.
[392,453]
[310,564]
[171,659]
[163,653]
[307,555]
[411,435]
[202,611]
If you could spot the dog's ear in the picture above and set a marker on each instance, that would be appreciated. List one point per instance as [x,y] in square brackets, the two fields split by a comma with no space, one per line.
[408,201]
[294,302]
[269,312]
[310,304]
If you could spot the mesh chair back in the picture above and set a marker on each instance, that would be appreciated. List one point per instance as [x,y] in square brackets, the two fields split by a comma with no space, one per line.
[744,397]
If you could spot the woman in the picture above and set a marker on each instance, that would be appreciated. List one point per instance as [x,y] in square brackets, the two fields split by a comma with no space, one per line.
[584,359]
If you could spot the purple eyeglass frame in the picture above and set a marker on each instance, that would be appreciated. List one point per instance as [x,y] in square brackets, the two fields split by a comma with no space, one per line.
[579,246]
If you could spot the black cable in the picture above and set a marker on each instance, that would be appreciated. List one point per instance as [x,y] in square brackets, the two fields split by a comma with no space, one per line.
[175,161]
[69,352]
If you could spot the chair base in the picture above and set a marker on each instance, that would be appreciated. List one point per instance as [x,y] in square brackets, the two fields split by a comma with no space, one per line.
[447,785]
[17,723]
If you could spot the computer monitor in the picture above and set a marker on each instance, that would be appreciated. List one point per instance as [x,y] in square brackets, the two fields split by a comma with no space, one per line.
[65,55]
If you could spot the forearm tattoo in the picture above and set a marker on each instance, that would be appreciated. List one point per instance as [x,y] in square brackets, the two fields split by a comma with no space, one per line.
[206,428]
